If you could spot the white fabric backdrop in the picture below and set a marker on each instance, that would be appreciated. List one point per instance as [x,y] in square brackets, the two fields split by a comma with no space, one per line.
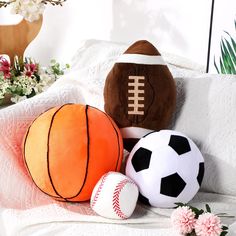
[179,27]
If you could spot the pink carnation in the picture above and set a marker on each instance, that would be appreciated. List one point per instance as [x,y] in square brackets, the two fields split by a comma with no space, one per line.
[5,68]
[183,219]
[30,69]
[208,224]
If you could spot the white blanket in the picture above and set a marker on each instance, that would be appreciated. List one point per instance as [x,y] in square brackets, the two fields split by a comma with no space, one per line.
[27,211]
[24,210]
[22,205]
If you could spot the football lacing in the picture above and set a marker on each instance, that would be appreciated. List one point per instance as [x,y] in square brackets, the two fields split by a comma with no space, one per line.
[136,108]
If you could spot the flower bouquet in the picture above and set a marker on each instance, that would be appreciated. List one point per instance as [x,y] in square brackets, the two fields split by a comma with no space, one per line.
[25,79]
[29,9]
[190,221]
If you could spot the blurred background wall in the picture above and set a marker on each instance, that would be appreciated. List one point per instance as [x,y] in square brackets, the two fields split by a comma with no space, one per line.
[179,27]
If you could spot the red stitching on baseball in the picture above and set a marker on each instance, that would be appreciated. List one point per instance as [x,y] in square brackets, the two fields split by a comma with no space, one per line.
[93,203]
[116,198]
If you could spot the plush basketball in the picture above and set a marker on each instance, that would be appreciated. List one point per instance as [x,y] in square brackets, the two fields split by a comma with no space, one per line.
[68,148]
[140,92]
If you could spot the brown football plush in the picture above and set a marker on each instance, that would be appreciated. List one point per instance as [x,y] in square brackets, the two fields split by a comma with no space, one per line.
[140,92]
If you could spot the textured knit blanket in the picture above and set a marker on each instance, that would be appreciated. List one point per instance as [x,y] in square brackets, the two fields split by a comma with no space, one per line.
[24,210]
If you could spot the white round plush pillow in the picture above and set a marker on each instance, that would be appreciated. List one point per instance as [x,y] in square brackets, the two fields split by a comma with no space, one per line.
[167,167]
[114,196]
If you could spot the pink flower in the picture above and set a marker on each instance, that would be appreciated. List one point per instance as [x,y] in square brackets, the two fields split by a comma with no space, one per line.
[183,219]
[5,67]
[30,69]
[208,224]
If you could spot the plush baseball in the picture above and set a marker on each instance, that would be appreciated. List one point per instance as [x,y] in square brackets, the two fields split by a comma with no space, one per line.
[114,196]
[140,92]
[167,167]
[68,148]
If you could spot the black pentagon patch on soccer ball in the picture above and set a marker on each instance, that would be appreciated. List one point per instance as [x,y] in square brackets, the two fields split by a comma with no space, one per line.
[200,173]
[143,199]
[172,185]
[179,144]
[141,159]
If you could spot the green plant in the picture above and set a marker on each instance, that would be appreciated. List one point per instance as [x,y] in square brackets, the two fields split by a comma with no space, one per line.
[228,55]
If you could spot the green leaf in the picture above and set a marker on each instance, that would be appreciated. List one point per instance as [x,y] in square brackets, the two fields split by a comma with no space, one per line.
[223,233]
[196,211]
[208,208]
[53,61]
[222,67]
[179,204]
[231,52]
[232,41]
[200,212]
[224,227]
[31,94]
[37,77]
[216,67]
[227,59]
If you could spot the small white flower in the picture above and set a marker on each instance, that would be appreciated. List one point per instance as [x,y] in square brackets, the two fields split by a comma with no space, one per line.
[17,98]
[29,9]
[4,85]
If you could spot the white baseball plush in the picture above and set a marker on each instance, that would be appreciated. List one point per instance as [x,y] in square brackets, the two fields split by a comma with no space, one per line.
[114,196]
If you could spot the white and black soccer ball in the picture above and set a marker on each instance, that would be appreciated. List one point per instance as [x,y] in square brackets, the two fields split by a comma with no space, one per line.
[168,168]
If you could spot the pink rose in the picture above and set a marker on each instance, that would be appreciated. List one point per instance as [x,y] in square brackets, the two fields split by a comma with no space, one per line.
[183,219]
[208,224]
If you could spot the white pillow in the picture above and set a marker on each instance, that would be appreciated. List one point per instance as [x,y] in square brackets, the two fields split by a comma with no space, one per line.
[206,112]
[206,108]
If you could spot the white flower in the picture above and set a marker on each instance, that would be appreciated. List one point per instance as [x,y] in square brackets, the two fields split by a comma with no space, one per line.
[29,9]
[46,80]
[23,84]
[4,85]
[17,98]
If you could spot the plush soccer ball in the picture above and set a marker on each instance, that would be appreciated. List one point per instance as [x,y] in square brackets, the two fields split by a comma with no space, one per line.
[114,196]
[168,168]
[68,148]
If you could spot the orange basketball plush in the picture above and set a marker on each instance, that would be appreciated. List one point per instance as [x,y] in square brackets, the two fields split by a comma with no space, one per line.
[68,148]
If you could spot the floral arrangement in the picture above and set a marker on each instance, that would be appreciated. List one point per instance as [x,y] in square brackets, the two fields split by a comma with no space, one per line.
[25,78]
[29,9]
[190,221]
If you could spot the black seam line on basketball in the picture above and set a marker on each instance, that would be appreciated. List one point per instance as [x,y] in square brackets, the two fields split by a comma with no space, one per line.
[88,153]
[26,161]
[49,132]
[28,166]
[116,135]
[24,153]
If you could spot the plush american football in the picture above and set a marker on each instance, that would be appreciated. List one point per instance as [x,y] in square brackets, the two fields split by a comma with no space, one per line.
[140,92]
